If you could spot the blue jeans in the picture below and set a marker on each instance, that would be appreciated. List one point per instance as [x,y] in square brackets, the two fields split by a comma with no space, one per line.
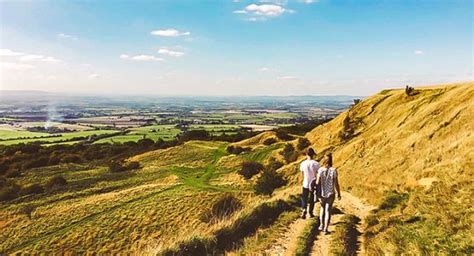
[305,195]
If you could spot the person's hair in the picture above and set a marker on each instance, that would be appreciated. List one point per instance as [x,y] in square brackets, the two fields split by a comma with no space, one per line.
[311,152]
[327,160]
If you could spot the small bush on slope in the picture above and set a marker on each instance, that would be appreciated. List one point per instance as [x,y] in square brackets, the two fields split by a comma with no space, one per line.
[302,144]
[222,208]
[56,181]
[289,153]
[269,181]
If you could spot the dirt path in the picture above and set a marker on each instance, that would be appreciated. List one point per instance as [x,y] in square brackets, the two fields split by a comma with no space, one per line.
[349,204]
[322,244]
[286,244]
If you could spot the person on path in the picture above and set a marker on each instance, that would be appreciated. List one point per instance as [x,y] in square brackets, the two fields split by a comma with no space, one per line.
[308,168]
[327,178]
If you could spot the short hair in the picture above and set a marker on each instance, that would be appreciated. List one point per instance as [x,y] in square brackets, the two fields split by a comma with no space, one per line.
[311,152]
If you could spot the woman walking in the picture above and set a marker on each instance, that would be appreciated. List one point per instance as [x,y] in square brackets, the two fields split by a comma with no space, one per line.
[329,183]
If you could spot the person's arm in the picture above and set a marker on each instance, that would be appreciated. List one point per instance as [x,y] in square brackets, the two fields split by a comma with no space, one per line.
[338,190]
[318,179]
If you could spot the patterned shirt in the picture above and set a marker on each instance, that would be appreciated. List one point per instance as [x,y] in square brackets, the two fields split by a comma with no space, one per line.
[327,178]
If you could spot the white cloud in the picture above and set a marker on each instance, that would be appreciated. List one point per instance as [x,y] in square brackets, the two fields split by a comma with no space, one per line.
[287,78]
[140,57]
[40,58]
[419,52]
[260,12]
[8,52]
[66,36]
[171,32]
[94,76]
[310,1]
[15,66]
[278,2]
[263,69]
[168,52]
[265,9]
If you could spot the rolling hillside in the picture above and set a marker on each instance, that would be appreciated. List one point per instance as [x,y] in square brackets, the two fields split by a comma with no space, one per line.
[414,156]
[409,155]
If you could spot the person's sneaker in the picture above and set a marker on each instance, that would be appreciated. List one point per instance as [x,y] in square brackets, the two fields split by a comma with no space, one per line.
[311,215]
[320,228]
[327,232]
[303,215]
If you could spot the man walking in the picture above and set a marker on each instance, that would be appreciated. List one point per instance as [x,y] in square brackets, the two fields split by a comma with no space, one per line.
[309,168]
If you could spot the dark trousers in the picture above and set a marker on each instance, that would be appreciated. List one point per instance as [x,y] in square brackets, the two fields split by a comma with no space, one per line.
[305,196]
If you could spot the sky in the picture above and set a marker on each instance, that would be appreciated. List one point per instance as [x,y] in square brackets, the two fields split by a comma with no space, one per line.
[233,47]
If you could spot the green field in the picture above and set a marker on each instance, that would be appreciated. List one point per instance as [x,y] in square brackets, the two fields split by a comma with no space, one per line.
[8,134]
[63,137]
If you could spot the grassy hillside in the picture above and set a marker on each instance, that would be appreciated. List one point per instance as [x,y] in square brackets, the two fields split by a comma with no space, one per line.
[419,147]
[157,206]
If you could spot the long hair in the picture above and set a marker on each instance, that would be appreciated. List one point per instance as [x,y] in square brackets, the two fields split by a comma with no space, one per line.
[327,159]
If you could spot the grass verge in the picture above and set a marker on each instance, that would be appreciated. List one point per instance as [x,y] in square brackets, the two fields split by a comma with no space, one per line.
[307,237]
[345,236]
[232,236]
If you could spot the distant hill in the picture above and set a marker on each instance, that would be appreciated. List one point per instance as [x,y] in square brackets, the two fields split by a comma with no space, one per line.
[420,146]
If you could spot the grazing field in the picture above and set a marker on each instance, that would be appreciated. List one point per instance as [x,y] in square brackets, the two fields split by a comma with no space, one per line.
[8,133]
[59,137]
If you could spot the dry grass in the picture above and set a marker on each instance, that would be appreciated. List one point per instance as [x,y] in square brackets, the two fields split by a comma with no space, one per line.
[144,211]
[421,144]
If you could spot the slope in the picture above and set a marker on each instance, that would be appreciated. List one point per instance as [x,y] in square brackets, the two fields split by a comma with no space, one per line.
[412,154]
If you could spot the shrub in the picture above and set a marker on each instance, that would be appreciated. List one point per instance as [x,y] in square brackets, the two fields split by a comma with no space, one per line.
[392,200]
[371,220]
[116,167]
[269,141]
[224,207]
[347,131]
[133,165]
[9,192]
[34,163]
[71,158]
[274,164]
[302,144]
[283,135]
[32,189]
[236,150]
[250,168]
[289,153]
[194,135]
[27,210]
[56,181]
[13,174]
[268,182]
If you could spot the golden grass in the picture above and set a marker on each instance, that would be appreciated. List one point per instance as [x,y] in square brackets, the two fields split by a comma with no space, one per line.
[421,144]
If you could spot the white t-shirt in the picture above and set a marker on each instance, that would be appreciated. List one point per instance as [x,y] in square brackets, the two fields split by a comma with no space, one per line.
[327,177]
[309,169]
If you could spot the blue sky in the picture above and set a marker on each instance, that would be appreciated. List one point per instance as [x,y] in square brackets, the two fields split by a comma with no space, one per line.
[227,47]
